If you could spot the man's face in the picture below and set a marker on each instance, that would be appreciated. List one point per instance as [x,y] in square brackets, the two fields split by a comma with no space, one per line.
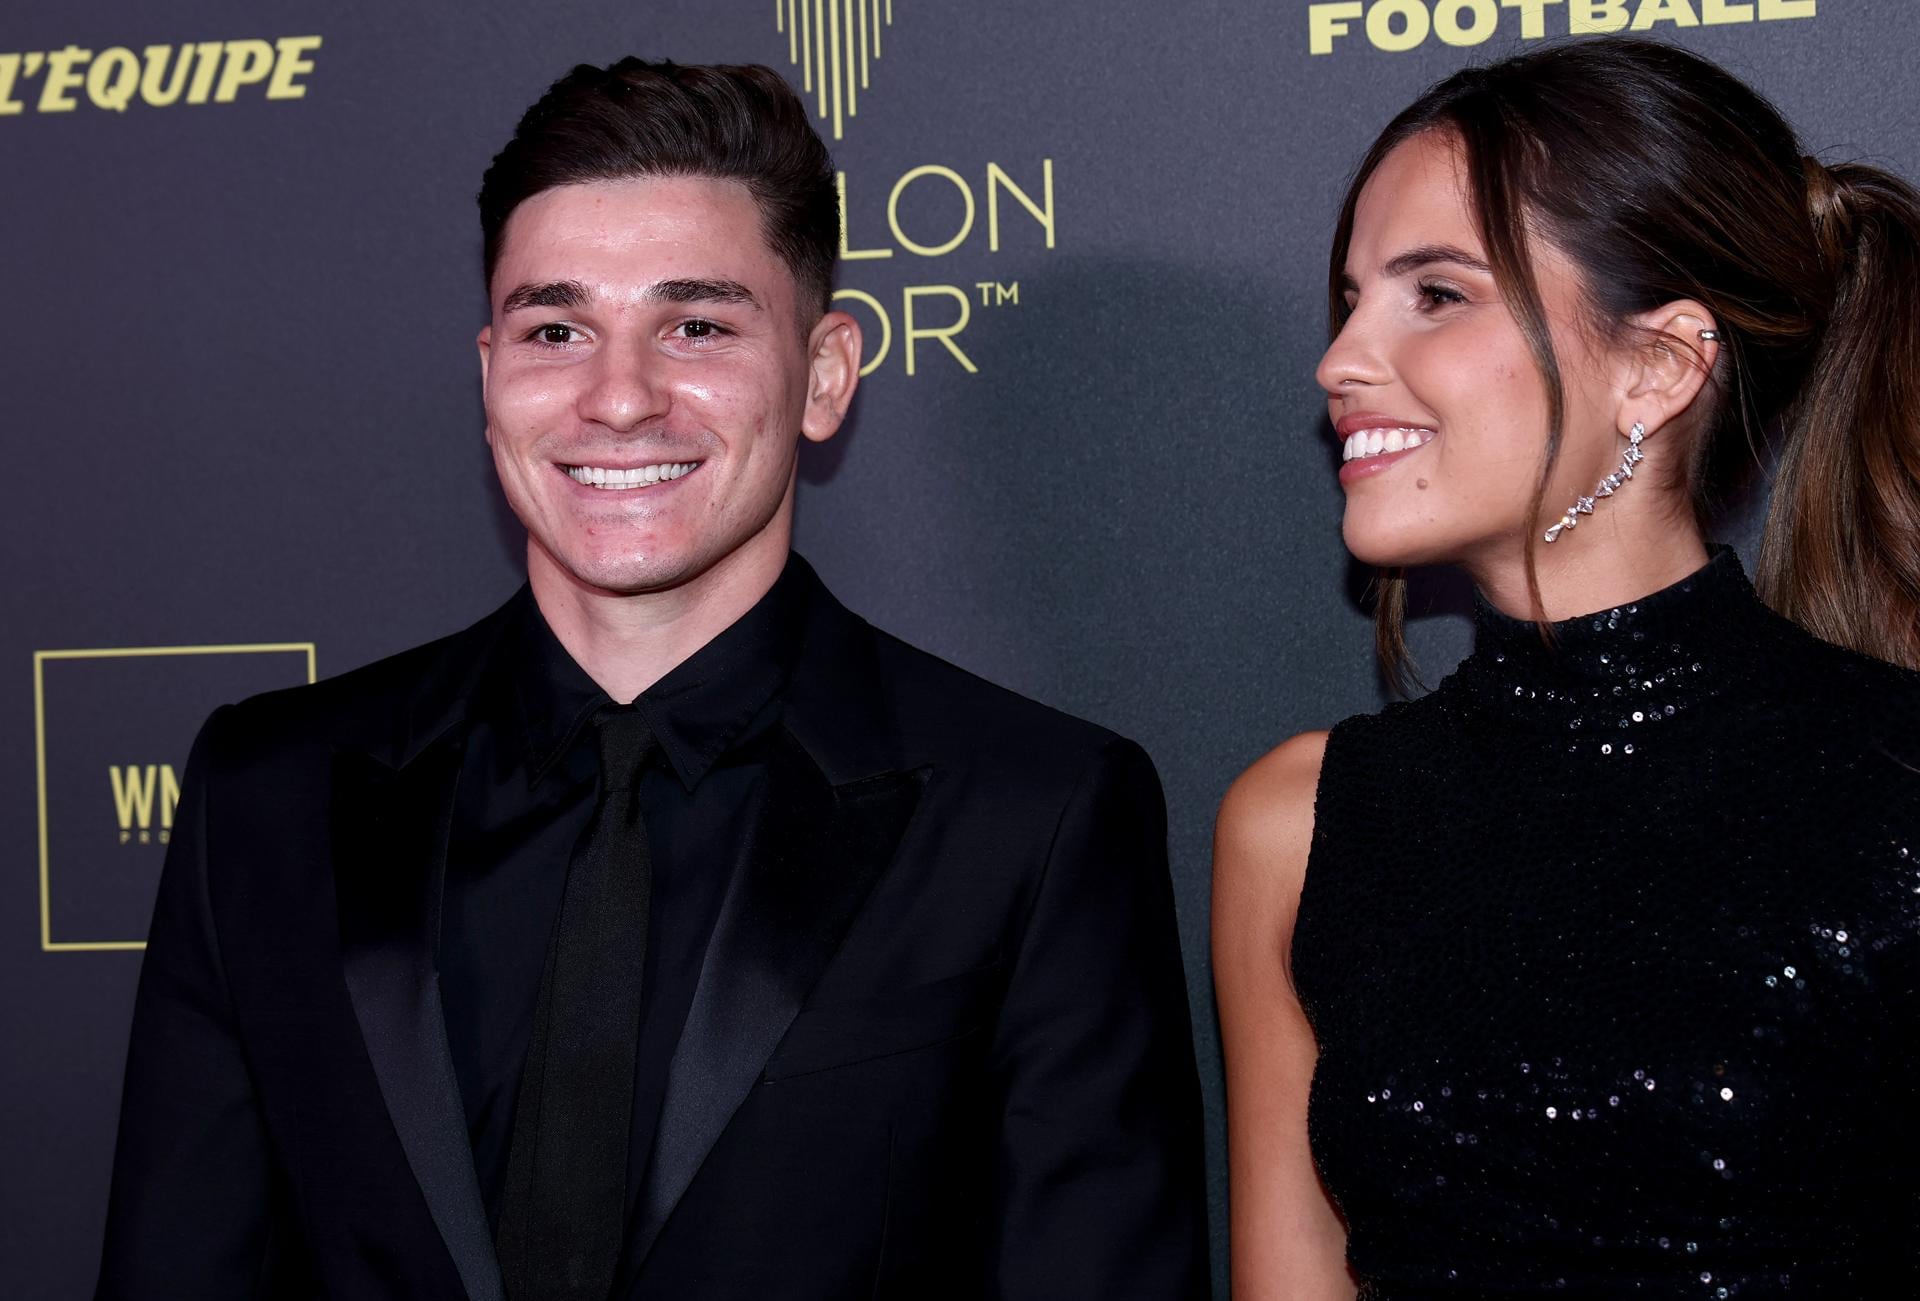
[645,376]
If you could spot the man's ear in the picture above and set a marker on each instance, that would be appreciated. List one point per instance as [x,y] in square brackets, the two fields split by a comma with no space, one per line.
[484,342]
[833,373]
[1668,365]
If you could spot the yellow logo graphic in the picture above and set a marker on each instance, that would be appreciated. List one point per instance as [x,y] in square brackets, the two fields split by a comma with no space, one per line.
[951,305]
[57,81]
[929,211]
[1398,25]
[134,789]
[95,709]
[829,40]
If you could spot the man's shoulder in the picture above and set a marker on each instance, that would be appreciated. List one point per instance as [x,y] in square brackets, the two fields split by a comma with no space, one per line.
[383,702]
[946,709]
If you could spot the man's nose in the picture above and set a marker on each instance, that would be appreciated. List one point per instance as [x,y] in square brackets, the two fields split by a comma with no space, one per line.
[626,387]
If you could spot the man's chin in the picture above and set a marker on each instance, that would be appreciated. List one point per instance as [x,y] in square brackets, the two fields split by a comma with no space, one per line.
[613,575]
[612,569]
[633,578]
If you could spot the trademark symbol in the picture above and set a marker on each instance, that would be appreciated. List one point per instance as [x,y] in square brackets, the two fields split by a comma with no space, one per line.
[994,294]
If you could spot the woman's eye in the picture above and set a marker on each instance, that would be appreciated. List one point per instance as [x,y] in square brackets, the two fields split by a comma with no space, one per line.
[1436,295]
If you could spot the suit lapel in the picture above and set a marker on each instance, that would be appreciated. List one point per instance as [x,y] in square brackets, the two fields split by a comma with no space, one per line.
[813,856]
[391,828]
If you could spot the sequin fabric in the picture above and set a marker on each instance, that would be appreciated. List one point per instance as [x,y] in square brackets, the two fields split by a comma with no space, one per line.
[1611,950]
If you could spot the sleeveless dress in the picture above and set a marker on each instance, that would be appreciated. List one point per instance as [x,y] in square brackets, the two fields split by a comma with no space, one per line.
[1612,949]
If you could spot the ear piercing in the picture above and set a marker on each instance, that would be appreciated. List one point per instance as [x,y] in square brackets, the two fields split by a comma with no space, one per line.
[1611,484]
[1709,336]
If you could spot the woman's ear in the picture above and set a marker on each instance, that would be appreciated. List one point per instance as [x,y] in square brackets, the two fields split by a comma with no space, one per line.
[1667,365]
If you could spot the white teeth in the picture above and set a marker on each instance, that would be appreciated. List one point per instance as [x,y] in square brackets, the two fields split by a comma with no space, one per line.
[1374,442]
[643,476]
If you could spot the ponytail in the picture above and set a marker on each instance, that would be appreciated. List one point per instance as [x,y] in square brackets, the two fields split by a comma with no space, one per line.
[1841,551]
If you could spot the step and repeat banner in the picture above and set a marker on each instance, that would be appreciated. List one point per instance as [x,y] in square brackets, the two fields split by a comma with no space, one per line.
[1087,244]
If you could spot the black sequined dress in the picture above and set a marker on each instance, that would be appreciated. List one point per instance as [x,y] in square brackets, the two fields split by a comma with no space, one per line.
[1611,951]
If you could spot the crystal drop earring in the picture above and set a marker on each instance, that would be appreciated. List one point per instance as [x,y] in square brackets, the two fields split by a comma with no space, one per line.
[1609,485]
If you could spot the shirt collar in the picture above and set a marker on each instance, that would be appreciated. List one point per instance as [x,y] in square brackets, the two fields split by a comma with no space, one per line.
[713,701]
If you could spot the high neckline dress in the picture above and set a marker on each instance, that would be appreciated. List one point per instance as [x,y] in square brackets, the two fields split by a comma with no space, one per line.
[1611,949]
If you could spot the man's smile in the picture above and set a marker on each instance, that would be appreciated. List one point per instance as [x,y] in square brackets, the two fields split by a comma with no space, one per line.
[622,478]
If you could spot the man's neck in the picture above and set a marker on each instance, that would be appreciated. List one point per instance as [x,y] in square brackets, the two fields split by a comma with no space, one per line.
[628,642]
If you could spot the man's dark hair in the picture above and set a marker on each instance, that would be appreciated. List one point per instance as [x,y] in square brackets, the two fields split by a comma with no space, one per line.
[638,119]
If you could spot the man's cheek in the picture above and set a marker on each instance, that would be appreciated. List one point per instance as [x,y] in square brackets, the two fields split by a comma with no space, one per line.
[521,395]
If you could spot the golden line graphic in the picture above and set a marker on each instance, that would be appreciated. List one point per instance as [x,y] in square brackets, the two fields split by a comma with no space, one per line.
[829,40]
[41,658]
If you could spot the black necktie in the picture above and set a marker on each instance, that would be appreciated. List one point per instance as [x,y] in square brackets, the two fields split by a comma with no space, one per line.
[563,1211]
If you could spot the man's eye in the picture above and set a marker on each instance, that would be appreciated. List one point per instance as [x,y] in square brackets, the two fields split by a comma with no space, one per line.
[700,329]
[554,336]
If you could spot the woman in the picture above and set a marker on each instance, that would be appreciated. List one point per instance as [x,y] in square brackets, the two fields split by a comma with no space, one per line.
[1593,972]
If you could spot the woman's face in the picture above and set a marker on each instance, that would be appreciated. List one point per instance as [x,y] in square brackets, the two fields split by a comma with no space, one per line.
[1430,361]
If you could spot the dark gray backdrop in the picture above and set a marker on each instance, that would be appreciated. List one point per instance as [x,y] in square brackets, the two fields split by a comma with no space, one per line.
[240,405]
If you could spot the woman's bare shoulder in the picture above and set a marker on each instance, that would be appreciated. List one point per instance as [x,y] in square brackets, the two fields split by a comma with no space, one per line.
[1265,827]
[1277,790]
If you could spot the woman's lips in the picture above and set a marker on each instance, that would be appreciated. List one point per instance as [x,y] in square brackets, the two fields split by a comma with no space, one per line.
[1369,449]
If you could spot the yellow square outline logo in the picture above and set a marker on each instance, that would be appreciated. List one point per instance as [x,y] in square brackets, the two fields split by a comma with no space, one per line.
[47,943]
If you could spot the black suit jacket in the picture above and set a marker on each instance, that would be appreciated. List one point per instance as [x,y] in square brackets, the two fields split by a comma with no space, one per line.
[939,1046]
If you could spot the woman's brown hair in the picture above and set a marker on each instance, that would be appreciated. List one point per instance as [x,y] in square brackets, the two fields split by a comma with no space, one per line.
[1664,178]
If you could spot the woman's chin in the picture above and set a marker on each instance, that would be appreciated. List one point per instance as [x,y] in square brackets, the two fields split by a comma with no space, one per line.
[1385,548]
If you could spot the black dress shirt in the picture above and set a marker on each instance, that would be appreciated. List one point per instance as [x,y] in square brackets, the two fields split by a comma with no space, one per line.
[528,785]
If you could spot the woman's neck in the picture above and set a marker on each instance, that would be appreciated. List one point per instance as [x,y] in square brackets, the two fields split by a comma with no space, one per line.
[1603,563]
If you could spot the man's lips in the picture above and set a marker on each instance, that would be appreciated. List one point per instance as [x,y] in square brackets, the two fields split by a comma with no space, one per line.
[624,478]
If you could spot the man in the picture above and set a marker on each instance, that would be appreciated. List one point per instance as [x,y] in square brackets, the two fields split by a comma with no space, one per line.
[670,933]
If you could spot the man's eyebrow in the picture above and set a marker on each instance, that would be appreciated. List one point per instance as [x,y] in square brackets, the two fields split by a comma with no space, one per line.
[703,291]
[555,293]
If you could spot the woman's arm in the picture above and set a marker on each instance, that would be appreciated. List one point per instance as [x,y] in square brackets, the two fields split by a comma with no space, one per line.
[1288,1242]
